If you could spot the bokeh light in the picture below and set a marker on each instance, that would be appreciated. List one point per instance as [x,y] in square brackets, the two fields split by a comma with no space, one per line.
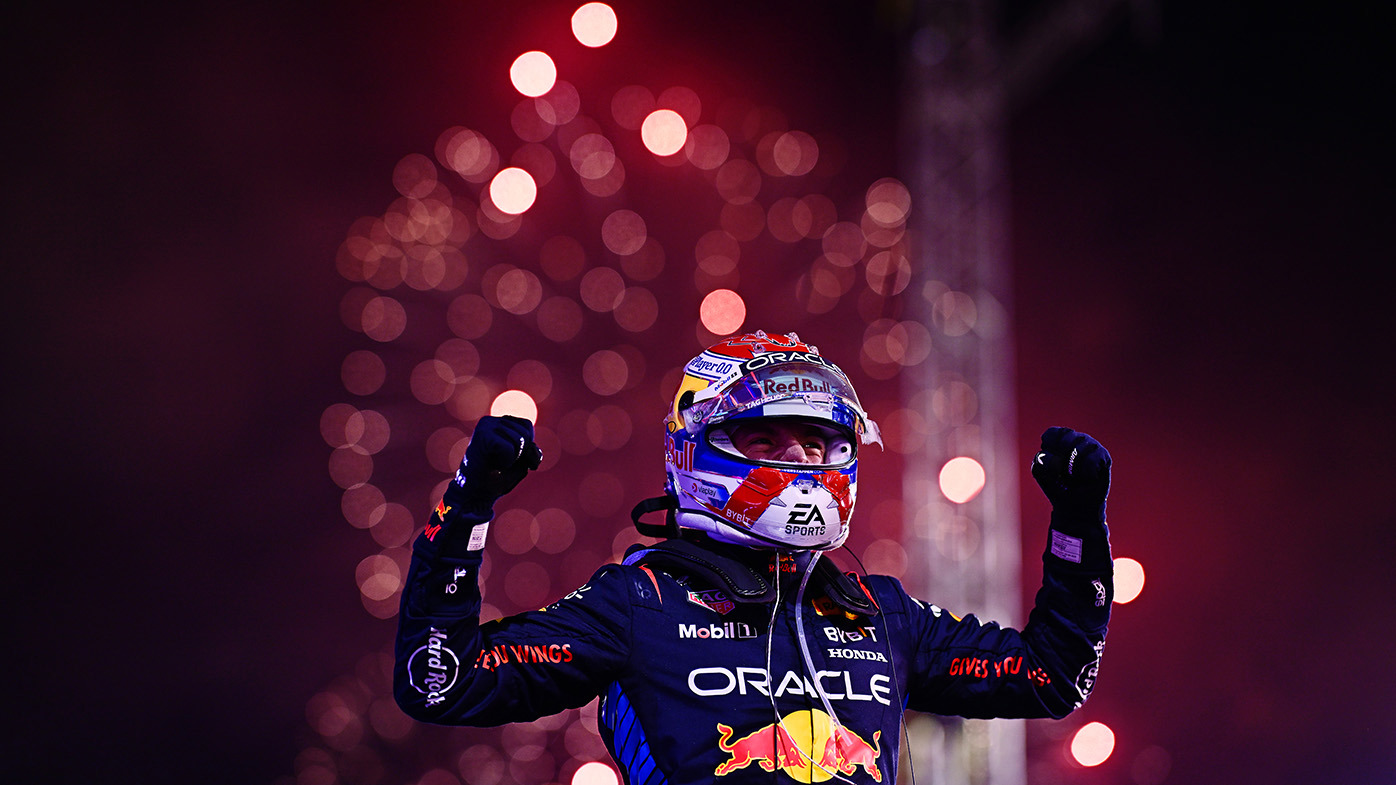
[885,557]
[482,764]
[664,132]
[532,120]
[362,372]
[513,191]
[533,377]
[605,372]
[514,402]
[468,153]
[533,73]
[957,537]
[559,319]
[717,252]
[349,468]
[518,291]
[707,147]
[556,530]
[594,24]
[624,232]
[844,243]
[631,105]
[793,153]
[955,313]
[888,202]
[961,479]
[362,505]
[744,221]
[560,104]
[637,310]
[384,319]
[537,160]
[595,773]
[528,584]
[445,447]
[414,176]
[469,316]
[562,257]
[593,157]
[738,181]
[1092,744]
[601,289]
[682,100]
[645,264]
[722,312]
[1129,579]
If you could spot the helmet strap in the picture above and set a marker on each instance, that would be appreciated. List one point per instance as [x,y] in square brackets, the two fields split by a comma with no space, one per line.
[670,527]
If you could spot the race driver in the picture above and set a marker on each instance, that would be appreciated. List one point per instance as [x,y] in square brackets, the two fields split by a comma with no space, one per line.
[729,652]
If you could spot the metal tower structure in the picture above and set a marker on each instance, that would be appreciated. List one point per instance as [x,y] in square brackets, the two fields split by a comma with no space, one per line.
[962,84]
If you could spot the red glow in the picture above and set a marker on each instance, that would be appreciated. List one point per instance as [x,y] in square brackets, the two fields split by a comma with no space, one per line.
[664,132]
[533,74]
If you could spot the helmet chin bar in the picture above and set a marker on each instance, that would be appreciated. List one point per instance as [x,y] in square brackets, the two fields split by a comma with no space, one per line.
[733,534]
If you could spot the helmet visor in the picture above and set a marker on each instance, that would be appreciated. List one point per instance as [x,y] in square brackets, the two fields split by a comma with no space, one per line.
[795,389]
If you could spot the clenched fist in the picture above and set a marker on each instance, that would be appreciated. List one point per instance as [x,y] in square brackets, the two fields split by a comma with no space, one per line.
[1074,472]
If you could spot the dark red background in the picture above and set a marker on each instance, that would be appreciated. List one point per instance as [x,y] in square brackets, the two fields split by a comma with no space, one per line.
[1200,211]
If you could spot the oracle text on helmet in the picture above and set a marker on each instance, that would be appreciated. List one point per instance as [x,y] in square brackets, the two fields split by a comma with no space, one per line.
[773,358]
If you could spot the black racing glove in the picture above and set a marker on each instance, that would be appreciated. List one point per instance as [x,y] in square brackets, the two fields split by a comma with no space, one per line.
[1074,472]
[501,452]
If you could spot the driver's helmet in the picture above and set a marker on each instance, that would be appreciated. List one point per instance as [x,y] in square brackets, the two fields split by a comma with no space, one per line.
[780,504]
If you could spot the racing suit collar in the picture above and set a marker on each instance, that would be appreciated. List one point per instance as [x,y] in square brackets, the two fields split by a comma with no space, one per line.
[748,575]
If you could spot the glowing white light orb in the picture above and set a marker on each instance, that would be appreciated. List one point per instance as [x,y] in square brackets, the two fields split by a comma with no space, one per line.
[961,479]
[515,402]
[1129,579]
[595,773]
[1092,744]
[594,24]
[722,312]
[664,132]
[513,190]
[533,74]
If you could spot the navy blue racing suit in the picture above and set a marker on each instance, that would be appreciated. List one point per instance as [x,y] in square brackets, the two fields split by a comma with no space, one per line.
[697,687]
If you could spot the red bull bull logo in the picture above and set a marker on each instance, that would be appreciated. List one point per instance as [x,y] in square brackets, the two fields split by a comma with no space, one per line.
[807,745]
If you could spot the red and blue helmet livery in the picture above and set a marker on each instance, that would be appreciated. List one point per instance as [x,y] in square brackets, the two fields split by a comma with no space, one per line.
[764,503]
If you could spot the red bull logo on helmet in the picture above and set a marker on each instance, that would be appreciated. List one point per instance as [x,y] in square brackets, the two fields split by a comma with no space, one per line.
[806,745]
